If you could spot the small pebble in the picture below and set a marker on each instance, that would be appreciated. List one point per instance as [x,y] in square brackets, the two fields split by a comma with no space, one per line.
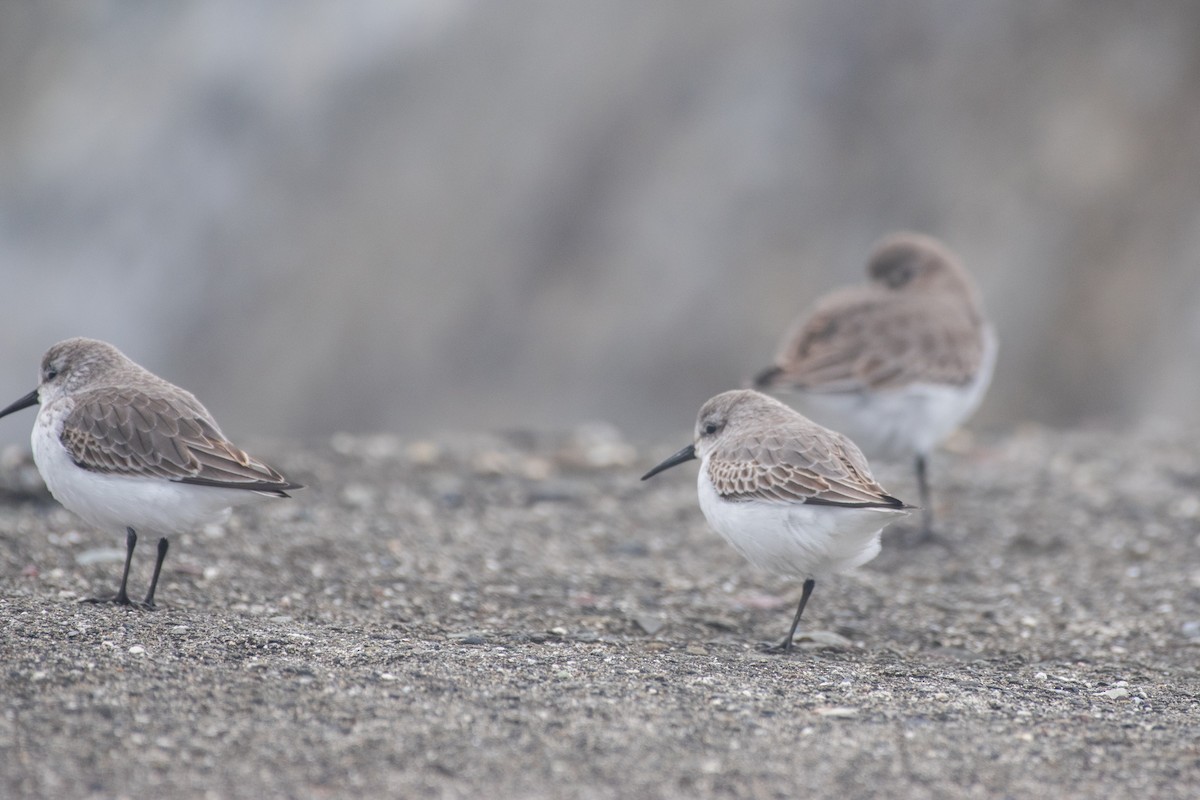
[837,712]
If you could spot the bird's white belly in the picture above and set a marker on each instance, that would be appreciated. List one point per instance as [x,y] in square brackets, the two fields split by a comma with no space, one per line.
[799,539]
[902,422]
[115,501]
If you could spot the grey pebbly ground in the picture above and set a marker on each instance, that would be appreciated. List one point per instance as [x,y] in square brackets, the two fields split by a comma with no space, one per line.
[518,616]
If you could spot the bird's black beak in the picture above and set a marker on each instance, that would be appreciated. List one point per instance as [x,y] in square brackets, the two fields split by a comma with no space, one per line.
[25,402]
[686,454]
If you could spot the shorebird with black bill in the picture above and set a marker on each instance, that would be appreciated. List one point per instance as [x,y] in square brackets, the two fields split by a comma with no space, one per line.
[123,448]
[792,497]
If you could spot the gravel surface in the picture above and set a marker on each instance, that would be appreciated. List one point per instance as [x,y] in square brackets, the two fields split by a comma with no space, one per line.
[518,615]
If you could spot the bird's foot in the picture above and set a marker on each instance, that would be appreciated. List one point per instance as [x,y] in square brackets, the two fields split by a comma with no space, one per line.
[120,599]
[776,648]
[808,640]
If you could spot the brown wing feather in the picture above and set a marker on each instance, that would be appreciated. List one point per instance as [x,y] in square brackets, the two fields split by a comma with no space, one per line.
[876,340]
[825,469]
[129,431]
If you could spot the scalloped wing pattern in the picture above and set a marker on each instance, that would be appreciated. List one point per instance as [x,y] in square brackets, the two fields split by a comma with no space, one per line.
[132,432]
[817,466]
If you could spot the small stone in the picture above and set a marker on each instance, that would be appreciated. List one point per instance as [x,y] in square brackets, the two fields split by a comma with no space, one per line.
[598,446]
[423,453]
[836,712]
[491,463]
[1114,694]
[343,443]
[137,650]
[100,555]
[1187,507]
[819,639]
[357,495]
[381,447]
[536,468]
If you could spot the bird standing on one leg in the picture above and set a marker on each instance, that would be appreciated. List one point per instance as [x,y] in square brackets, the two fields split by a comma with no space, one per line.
[790,496]
[123,448]
[896,364]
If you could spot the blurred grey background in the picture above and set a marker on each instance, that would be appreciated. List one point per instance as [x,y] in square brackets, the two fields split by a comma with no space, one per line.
[419,215]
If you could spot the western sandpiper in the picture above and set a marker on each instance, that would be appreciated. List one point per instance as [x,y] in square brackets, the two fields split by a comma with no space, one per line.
[123,448]
[897,364]
[790,496]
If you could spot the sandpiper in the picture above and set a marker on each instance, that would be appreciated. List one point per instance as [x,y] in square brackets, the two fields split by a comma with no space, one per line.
[123,448]
[897,364]
[791,496]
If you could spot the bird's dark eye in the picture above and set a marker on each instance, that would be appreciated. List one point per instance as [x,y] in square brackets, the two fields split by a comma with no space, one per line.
[710,428]
[899,277]
[51,374]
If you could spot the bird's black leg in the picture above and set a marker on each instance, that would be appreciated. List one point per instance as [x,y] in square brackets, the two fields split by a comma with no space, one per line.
[926,534]
[163,544]
[121,598]
[926,505]
[786,644]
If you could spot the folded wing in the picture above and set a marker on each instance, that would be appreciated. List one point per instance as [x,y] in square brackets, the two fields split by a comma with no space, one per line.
[827,469]
[131,432]
[878,341]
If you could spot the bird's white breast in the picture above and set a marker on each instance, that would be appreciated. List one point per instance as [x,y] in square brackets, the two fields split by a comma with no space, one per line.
[112,501]
[796,538]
